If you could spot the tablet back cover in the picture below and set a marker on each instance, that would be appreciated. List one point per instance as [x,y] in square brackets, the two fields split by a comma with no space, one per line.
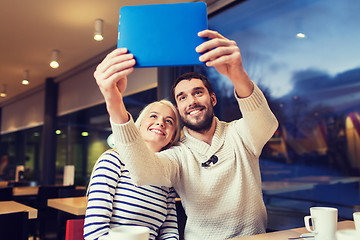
[163,34]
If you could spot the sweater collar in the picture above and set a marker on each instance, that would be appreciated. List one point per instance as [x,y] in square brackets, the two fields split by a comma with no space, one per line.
[203,148]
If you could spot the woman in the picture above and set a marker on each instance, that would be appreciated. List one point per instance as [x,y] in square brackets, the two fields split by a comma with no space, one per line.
[114,200]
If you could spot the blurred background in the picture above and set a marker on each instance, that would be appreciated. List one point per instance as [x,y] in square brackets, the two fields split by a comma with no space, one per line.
[303,54]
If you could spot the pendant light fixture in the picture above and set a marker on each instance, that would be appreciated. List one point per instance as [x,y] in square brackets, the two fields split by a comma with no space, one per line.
[3,92]
[25,80]
[98,30]
[54,59]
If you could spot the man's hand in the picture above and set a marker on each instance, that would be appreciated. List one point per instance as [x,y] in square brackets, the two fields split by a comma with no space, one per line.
[224,55]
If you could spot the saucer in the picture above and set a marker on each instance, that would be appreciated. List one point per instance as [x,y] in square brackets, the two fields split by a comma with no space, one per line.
[309,236]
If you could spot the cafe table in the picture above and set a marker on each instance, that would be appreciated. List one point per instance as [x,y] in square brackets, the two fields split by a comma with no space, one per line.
[295,232]
[12,207]
[3,184]
[31,190]
[25,191]
[73,205]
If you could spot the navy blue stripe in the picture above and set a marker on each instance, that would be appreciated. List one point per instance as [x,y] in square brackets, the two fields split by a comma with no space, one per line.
[133,189]
[137,219]
[170,227]
[172,208]
[125,183]
[99,207]
[140,199]
[161,189]
[96,230]
[117,157]
[102,184]
[152,191]
[133,220]
[99,199]
[137,214]
[101,191]
[107,169]
[173,237]
[105,161]
[141,207]
[97,215]
[126,177]
[171,221]
[173,215]
[145,188]
[105,176]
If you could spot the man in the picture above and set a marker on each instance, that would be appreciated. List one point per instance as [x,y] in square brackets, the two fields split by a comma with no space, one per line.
[215,167]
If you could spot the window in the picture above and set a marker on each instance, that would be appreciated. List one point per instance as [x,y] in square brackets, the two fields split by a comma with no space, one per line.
[82,135]
[23,148]
[304,55]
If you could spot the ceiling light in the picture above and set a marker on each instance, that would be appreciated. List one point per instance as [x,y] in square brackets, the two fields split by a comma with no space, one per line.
[98,30]
[301,35]
[25,81]
[54,59]
[3,92]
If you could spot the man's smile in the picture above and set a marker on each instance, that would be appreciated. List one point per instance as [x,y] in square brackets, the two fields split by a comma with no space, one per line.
[195,111]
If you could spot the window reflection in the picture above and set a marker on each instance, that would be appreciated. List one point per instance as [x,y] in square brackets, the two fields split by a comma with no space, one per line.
[82,135]
[22,148]
[312,83]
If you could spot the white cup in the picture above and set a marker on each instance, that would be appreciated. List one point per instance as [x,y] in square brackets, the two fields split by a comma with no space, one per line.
[357,221]
[324,222]
[347,234]
[127,233]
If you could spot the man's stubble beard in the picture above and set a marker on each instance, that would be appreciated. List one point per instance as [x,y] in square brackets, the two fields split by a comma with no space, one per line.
[203,125]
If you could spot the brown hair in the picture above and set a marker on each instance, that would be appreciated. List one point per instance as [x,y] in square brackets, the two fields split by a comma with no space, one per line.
[188,76]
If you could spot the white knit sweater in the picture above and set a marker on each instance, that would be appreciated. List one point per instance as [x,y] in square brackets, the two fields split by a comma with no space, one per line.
[221,201]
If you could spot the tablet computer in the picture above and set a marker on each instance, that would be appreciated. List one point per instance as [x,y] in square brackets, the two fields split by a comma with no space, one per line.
[163,34]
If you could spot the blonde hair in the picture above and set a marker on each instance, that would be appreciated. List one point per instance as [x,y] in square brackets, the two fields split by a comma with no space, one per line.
[177,120]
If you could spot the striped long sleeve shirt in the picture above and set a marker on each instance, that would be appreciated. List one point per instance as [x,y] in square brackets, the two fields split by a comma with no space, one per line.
[114,201]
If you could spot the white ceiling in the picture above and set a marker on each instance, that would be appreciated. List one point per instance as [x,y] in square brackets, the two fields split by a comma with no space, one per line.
[30,30]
